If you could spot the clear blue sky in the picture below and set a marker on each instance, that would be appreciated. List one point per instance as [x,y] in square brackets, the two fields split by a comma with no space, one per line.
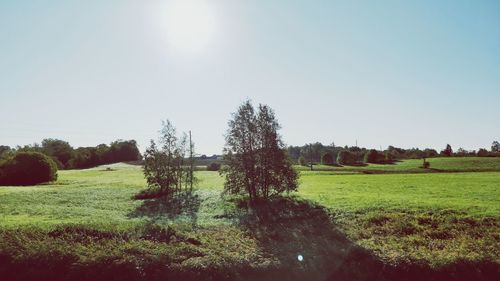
[403,73]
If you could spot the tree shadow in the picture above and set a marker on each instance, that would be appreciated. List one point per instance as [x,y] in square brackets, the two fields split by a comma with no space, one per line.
[182,205]
[304,244]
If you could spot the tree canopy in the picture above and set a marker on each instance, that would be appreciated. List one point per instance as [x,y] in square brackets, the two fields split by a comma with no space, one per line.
[257,163]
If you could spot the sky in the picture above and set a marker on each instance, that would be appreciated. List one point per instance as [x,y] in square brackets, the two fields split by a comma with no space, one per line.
[403,73]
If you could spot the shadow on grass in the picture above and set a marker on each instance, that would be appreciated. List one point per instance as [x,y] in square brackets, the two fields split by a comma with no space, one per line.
[289,229]
[185,205]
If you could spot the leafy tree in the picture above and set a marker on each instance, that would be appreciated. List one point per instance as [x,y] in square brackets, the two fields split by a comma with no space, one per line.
[213,166]
[165,168]
[28,168]
[373,156]
[302,161]
[327,159]
[345,157]
[483,152]
[429,152]
[60,150]
[447,151]
[257,164]
[5,152]
[495,146]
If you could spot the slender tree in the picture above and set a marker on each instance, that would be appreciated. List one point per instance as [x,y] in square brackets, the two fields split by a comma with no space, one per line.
[165,167]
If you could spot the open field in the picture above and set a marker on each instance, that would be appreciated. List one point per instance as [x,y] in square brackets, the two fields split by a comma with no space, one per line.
[354,226]
[440,164]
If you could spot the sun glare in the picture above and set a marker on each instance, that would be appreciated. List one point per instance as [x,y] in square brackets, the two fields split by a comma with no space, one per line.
[190,25]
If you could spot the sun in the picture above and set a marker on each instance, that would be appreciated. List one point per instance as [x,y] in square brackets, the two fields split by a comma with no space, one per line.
[190,25]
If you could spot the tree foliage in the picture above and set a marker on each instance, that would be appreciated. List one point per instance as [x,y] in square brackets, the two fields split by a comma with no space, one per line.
[257,163]
[447,151]
[327,159]
[373,156]
[59,150]
[346,157]
[166,168]
[28,168]
[495,146]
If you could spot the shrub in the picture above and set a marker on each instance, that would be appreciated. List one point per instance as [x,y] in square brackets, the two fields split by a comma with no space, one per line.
[213,166]
[327,159]
[426,165]
[28,168]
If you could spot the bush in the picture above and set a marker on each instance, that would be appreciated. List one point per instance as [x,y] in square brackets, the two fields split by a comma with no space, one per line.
[28,168]
[327,159]
[426,165]
[213,166]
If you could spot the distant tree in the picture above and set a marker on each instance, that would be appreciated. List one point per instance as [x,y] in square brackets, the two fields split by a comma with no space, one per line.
[60,150]
[84,157]
[5,152]
[373,156]
[495,146]
[28,168]
[122,151]
[346,157]
[447,151]
[302,161]
[294,152]
[429,152]
[213,166]
[483,152]
[461,152]
[327,159]
[257,164]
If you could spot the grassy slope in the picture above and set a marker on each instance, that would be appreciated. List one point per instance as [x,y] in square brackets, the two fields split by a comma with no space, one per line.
[440,164]
[434,219]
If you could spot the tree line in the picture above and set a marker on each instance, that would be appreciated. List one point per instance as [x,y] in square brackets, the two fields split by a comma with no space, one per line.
[67,157]
[317,153]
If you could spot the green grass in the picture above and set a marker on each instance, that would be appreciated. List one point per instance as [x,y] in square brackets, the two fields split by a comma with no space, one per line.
[435,219]
[89,221]
[473,193]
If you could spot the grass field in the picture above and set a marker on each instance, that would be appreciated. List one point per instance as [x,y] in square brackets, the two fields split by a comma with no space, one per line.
[353,225]
[441,164]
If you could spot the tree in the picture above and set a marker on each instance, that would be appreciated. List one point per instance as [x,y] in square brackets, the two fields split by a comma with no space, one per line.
[447,151]
[257,164]
[483,152]
[495,146]
[373,156]
[165,168]
[346,157]
[327,159]
[5,152]
[213,166]
[60,150]
[28,168]
[302,161]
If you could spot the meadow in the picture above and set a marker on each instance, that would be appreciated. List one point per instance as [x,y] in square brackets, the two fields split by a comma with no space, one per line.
[353,226]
